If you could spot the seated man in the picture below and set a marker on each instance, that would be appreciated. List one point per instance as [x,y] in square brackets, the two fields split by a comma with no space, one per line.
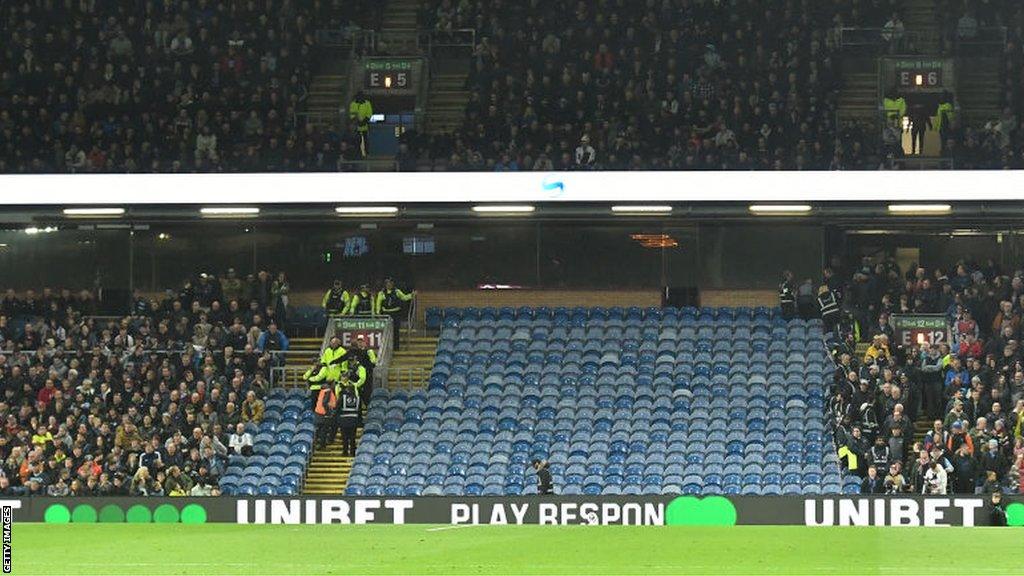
[240,441]
[252,408]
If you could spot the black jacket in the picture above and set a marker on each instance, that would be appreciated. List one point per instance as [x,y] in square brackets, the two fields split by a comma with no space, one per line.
[544,480]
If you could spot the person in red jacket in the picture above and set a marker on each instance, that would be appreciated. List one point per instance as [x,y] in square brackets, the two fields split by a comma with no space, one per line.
[970,347]
[46,394]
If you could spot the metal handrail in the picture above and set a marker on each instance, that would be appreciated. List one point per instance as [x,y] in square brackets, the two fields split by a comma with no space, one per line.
[922,163]
[369,165]
[407,378]
[334,118]
[459,38]
[985,36]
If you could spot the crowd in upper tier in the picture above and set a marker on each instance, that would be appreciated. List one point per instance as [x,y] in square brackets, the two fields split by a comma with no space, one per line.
[657,85]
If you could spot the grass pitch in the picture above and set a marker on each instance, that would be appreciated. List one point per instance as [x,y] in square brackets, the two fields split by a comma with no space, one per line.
[492,550]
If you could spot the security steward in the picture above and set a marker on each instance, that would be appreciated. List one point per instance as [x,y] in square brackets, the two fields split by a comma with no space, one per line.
[787,296]
[389,303]
[336,300]
[360,110]
[328,370]
[326,419]
[365,356]
[348,419]
[544,485]
[354,374]
[362,302]
[829,306]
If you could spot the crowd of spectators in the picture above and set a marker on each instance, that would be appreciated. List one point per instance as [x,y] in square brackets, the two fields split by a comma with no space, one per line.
[998,142]
[149,404]
[968,388]
[562,85]
[165,85]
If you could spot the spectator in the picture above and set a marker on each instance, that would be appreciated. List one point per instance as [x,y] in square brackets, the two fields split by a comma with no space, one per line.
[102,400]
[240,441]
[894,482]
[872,483]
[145,98]
[671,87]
[935,479]
[252,408]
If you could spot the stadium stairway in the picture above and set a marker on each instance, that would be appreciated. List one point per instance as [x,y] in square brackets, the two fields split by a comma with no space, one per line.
[398,33]
[979,89]
[328,99]
[920,17]
[858,99]
[447,101]
[303,352]
[328,470]
[410,366]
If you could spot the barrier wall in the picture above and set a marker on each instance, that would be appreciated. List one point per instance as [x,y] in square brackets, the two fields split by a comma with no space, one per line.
[640,510]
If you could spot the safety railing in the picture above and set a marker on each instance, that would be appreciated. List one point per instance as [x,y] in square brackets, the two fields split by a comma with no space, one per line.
[407,378]
[881,39]
[922,163]
[319,117]
[982,41]
[368,165]
[448,43]
[399,41]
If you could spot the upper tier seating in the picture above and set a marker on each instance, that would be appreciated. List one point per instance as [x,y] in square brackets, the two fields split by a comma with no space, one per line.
[620,401]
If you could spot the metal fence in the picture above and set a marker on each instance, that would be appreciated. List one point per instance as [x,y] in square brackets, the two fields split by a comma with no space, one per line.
[368,165]
[408,378]
[918,163]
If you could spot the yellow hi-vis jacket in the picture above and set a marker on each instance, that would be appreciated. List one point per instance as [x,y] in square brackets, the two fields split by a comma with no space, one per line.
[895,108]
[360,112]
[330,369]
[356,376]
[389,301]
[945,111]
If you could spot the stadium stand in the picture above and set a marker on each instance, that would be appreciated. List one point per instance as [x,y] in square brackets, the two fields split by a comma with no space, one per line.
[918,403]
[619,401]
[612,85]
[151,403]
[172,86]
[992,138]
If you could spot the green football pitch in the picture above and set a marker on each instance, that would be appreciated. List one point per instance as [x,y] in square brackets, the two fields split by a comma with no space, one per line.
[493,550]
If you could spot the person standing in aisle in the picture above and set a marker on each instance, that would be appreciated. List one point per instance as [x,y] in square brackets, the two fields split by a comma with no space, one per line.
[389,303]
[829,306]
[362,302]
[325,408]
[787,296]
[348,420]
[328,370]
[365,356]
[544,485]
[336,300]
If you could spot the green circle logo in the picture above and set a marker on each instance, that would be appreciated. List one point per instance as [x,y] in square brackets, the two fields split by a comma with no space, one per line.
[1015,514]
[83,514]
[693,511]
[111,513]
[165,514]
[193,514]
[57,514]
[139,514]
